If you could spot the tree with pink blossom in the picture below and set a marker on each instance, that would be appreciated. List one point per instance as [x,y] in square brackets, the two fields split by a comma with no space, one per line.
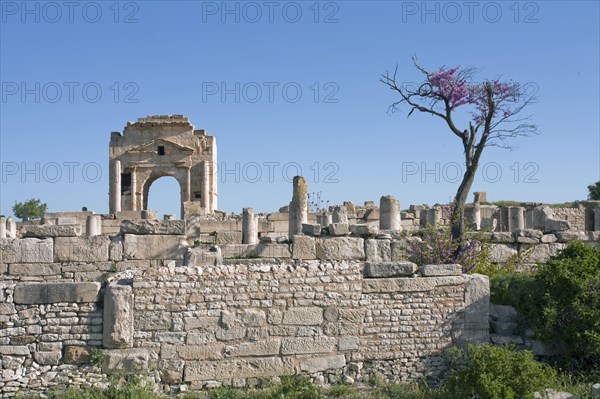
[493,107]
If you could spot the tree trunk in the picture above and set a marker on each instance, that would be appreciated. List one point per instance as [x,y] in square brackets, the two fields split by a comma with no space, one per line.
[457,227]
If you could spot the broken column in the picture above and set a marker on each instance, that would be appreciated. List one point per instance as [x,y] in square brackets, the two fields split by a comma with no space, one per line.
[115,200]
[516,218]
[389,213]
[118,316]
[93,225]
[2,227]
[473,216]
[340,214]
[325,219]
[11,228]
[249,227]
[434,216]
[479,197]
[298,212]
[205,193]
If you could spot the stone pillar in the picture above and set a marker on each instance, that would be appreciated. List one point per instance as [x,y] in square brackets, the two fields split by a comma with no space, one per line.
[597,219]
[516,218]
[479,197]
[298,212]
[325,219]
[93,225]
[205,194]
[249,227]
[340,214]
[11,228]
[434,216]
[389,213]
[473,216]
[115,199]
[134,204]
[2,227]
[118,317]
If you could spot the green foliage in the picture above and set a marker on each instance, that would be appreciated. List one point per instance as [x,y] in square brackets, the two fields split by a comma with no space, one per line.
[98,356]
[594,191]
[489,372]
[519,290]
[34,206]
[570,314]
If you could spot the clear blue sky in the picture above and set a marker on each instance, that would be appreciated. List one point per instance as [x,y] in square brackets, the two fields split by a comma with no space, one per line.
[170,57]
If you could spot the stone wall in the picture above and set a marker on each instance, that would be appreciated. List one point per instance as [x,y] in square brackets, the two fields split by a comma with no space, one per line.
[184,316]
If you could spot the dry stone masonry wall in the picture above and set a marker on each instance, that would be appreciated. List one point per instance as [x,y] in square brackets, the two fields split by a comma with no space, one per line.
[75,310]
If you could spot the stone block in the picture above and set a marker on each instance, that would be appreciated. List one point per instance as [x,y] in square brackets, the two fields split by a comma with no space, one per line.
[316,364]
[12,350]
[7,308]
[237,368]
[548,238]
[304,247]
[207,323]
[164,227]
[339,229]
[305,316]
[415,284]
[540,252]
[306,345]
[228,237]
[152,321]
[568,236]
[129,361]
[210,351]
[27,294]
[378,250]
[502,237]
[118,317]
[203,257]
[278,217]
[44,231]
[313,230]
[81,249]
[34,269]
[77,355]
[266,347]
[236,251]
[440,270]
[340,248]
[26,250]
[47,358]
[364,230]
[389,269]
[348,343]
[115,249]
[477,311]
[552,225]
[154,247]
[264,250]
[500,253]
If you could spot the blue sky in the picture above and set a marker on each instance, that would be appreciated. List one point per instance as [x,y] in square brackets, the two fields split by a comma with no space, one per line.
[287,86]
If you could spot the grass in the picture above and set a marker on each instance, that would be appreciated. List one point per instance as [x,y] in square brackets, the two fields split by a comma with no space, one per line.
[293,387]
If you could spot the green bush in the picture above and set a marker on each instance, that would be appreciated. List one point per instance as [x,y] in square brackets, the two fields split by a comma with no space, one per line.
[490,372]
[570,314]
[519,290]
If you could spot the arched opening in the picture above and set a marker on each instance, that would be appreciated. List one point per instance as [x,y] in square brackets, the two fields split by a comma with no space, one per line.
[163,195]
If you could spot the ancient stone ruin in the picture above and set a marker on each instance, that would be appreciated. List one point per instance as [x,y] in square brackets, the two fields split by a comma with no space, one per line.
[217,298]
[159,146]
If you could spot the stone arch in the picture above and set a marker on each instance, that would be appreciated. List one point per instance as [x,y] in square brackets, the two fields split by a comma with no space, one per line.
[178,174]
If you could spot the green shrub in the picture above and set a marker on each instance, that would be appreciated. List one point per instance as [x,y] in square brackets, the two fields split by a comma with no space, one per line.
[570,313]
[519,290]
[489,372]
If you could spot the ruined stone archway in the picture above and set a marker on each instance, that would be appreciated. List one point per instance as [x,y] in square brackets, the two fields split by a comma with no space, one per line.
[154,178]
[157,146]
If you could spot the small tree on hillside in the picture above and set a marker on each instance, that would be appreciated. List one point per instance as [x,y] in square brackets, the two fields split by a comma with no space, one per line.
[494,108]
